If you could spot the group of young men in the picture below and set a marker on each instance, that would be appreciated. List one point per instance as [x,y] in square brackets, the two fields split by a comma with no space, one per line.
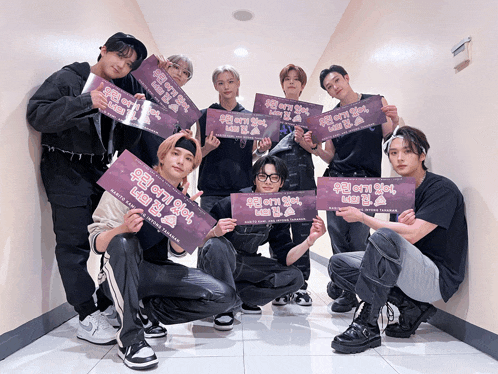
[416,260]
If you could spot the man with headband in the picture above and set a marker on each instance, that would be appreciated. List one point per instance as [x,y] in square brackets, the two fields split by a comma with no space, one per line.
[137,273]
[412,262]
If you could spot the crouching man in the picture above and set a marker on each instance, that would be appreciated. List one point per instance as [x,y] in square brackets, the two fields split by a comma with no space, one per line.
[231,254]
[410,263]
[137,271]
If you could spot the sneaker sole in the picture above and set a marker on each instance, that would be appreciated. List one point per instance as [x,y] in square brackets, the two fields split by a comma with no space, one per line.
[424,317]
[138,366]
[251,311]
[154,336]
[357,349]
[223,327]
[98,342]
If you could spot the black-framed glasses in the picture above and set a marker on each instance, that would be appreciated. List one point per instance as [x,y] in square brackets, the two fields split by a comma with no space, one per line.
[263,177]
[184,71]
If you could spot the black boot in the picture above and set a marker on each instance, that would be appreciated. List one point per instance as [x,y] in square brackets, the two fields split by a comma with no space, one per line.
[333,291]
[363,333]
[411,314]
[345,303]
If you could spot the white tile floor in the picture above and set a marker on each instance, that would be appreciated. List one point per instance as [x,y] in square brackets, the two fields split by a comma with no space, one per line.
[288,339]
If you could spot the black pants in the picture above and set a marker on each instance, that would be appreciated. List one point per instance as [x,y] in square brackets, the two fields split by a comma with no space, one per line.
[172,293]
[71,186]
[258,279]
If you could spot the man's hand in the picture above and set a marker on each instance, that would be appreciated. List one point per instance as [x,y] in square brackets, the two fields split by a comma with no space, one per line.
[307,139]
[264,145]
[224,225]
[163,63]
[298,134]
[407,217]
[188,132]
[350,214]
[186,185]
[133,221]
[212,142]
[391,112]
[99,101]
[317,230]
[139,96]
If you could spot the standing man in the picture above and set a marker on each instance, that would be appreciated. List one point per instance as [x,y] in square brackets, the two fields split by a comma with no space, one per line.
[410,263]
[356,155]
[77,144]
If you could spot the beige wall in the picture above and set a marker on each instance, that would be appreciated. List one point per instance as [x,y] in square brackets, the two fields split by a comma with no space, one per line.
[39,38]
[401,49]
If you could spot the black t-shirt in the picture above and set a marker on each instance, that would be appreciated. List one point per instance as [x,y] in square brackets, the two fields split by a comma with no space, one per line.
[358,151]
[227,169]
[439,201]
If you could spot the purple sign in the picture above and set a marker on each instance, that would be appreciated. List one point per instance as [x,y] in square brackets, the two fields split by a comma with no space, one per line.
[291,112]
[240,125]
[166,208]
[167,92]
[124,108]
[377,195]
[258,208]
[347,119]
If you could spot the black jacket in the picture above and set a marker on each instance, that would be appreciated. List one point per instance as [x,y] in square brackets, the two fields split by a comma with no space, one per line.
[65,116]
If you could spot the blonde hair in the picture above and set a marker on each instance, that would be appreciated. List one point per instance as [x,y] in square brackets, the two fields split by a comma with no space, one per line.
[225,69]
[170,143]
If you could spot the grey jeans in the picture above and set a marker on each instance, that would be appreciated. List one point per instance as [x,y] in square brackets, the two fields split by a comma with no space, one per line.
[389,260]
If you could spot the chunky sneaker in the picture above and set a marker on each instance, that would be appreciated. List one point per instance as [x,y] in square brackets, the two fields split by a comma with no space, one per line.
[282,300]
[223,321]
[345,303]
[303,298]
[96,329]
[250,309]
[138,356]
[363,333]
[112,316]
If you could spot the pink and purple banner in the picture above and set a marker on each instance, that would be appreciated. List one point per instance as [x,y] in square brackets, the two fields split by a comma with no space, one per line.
[166,208]
[291,112]
[259,208]
[240,125]
[124,108]
[347,119]
[167,92]
[377,195]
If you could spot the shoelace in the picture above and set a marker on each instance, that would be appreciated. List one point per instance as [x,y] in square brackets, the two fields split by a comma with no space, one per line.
[389,315]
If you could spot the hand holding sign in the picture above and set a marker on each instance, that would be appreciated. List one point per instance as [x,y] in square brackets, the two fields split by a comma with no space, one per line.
[264,145]
[407,217]
[391,112]
[350,214]
[99,100]
[211,143]
[224,225]
[133,221]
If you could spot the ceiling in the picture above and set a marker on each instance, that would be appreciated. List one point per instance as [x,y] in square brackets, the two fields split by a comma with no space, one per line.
[280,33]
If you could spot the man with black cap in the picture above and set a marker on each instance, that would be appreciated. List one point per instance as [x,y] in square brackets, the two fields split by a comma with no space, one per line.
[77,144]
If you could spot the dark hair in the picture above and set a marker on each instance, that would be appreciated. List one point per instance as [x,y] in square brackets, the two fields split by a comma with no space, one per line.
[332,69]
[300,74]
[415,140]
[279,164]
[124,49]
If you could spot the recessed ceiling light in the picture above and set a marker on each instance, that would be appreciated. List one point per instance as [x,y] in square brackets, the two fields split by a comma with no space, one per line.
[243,15]
[241,52]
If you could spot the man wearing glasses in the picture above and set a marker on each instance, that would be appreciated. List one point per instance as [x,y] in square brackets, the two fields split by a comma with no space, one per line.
[232,256]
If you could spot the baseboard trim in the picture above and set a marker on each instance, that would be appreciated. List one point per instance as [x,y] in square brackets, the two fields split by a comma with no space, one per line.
[477,337]
[20,337]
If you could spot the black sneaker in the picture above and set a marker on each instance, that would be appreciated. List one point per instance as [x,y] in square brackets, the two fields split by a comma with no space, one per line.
[154,331]
[282,300]
[250,309]
[303,298]
[223,321]
[138,356]
[333,291]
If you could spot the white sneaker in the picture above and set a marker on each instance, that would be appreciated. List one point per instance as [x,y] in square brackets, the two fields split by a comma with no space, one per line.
[112,316]
[303,298]
[96,329]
